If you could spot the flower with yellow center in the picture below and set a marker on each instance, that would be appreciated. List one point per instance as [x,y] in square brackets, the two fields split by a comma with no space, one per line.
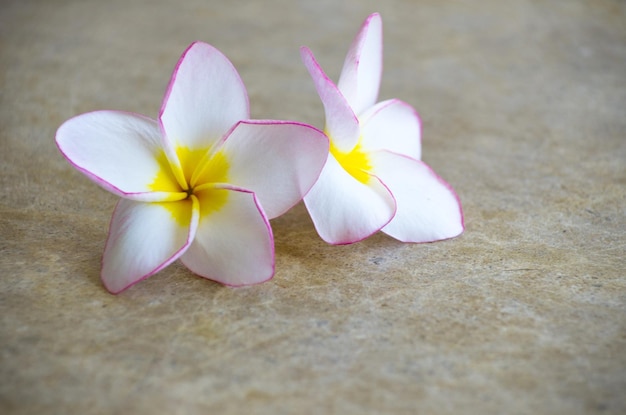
[374,178]
[199,184]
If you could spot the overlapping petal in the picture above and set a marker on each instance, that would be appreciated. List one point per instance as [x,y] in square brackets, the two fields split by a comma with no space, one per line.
[343,209]
[362,69]
[204,99]
[119,151]
[342,124]
[428,209]
[233,245]
[144,238]
[279,161]
[392,125]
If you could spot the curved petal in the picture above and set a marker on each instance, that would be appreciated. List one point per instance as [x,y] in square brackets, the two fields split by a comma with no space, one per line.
[119,151]
[144,238]
[343,209]
[360,77]
[392,125]
[341,124]
[204,99]
[234,244]
[278,160]
[428,208]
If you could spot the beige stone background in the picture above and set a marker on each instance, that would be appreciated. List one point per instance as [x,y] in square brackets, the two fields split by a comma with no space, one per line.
[524,110]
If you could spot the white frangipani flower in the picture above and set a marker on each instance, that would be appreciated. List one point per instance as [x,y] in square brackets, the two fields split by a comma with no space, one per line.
[374,178]
[199,184]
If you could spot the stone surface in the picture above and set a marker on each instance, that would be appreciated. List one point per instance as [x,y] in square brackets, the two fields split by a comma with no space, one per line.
[525,313]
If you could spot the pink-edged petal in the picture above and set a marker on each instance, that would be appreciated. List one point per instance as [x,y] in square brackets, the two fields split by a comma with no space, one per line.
[428,208]
[204,99]
[392,125]
[278,160]
[119,151]
[341,124]
[343,209]
[144,238]
[360,77]
[234,244]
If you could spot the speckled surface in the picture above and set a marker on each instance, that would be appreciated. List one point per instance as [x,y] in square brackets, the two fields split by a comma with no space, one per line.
[523,107]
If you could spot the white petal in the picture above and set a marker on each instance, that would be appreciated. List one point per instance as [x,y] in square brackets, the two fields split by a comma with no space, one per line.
[428,208]
[343,209]
[234,245]
[341,124]
[205,98]
[119,151]
[144,238]
[360,77]
[278,161]
[392,125]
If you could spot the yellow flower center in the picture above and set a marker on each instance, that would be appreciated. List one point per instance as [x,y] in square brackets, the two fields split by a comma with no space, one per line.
[354,162]
[201,172]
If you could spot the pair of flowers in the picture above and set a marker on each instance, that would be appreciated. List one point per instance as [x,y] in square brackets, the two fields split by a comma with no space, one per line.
[201,183]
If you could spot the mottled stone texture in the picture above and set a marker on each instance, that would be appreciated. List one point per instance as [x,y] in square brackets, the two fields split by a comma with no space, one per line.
[523,105]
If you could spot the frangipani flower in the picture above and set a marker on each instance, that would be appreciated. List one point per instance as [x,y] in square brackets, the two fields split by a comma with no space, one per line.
[374,179]
[199,184]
